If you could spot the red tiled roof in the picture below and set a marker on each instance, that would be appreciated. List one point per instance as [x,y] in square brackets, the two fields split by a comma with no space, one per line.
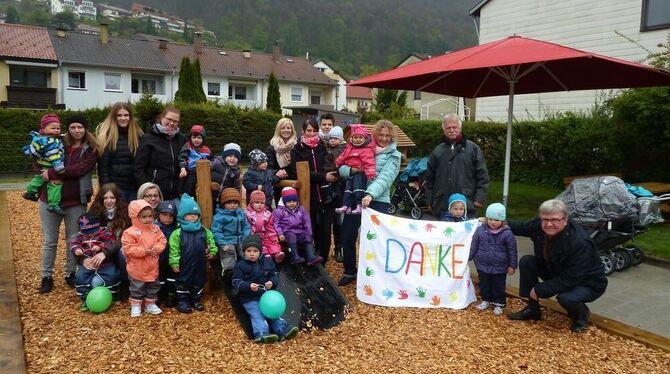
[359,92]
[26,42]
[232,63]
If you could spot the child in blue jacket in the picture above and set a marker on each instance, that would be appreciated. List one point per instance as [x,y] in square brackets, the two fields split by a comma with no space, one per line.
[252,276]
[494,250]
[259,177]
[458,209]
[229,226]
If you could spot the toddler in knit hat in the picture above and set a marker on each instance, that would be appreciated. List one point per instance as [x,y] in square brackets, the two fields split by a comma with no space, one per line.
[259,177]
[358,154]
[261,222]
[192,151]
[294,227]
[229,226]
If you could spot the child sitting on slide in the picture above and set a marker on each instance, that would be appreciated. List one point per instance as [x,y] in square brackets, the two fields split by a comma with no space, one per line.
[295,228]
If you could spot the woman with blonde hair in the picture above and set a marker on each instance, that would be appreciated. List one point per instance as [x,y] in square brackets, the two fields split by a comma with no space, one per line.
[279,151]
[118,139]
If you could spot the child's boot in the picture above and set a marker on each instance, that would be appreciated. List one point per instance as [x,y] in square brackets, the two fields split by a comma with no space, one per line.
[291,333]
[358,210]
[267,339]
[483,305]
[295,257]
[312,259]
[183,304]
[151,307]
[279,257]
[30,196]
[197,304]
[135,308]
[342,209]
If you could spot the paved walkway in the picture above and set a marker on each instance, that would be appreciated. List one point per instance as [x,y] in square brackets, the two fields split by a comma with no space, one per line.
[638,296]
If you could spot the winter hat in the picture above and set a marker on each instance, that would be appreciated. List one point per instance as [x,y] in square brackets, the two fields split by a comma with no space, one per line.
[47,119]
[88,223]
[336,132]
[253,240]
[496,211]
[167,206]
[458,197]
[198,129]
[187,206]
[359,130]
[257,196]
[232,149]
[289,194]
[229,194]
[76,118]
[257,157]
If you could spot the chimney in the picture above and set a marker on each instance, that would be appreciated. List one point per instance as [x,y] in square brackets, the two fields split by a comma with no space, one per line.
[246,53]
[60,32]
[104,33]
[198,42]
[276,52]
[162,44]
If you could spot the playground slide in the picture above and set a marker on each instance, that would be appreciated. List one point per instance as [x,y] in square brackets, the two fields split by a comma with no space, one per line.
[313,300]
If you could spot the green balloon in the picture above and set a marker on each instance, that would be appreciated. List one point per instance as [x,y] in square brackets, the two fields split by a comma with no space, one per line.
[99,299]
[272,304]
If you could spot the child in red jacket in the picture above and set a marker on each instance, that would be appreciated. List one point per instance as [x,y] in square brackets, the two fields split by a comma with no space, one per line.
[359,155]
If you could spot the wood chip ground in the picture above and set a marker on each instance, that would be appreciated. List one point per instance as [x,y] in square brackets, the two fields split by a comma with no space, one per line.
[60,338]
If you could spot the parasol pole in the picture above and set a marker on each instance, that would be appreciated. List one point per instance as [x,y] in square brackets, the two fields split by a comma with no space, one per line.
[508,143]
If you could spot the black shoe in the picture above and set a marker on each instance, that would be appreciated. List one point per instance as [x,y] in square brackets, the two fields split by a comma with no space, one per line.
[581,321]
[526,314]
[30,196]
[184,308]
[339,255]
[69,280]
[198,306]
[47,285]
[170,301]
[345,281]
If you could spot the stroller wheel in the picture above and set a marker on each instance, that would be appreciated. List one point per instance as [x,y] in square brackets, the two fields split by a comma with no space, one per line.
[621,259]
[608,263]
[416,213]
[392,208]
[636,255]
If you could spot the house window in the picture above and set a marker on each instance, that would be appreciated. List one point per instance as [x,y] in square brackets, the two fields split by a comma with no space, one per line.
[655,15]
[112,82]
[76,79]
[237,92]
[147,83]
[213,89]
[417,95]
[28,76]
[296,94]
[314,97]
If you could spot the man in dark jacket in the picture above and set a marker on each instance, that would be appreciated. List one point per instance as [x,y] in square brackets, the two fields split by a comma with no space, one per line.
[456,166]
[157,157]
[565,259]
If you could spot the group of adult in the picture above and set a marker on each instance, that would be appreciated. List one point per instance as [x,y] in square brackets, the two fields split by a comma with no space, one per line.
[133,164]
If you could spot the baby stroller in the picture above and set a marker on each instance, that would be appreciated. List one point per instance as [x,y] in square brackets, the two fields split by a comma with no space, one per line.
[408,191]
[613,216]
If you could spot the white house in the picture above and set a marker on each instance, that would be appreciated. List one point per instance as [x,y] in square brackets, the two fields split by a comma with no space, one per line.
[330,72]
[81,8]
[625,29]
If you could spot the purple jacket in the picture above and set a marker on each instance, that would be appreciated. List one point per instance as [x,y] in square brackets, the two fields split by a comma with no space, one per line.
[295,221]
[493,252]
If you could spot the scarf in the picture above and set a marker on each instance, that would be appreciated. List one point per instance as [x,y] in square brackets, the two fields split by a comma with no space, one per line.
[110,213]
[283,151]
[379,149]
[312,142]
[189,226]
[323,136]
[170,133]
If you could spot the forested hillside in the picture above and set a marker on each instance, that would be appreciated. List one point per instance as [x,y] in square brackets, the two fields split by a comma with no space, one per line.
[351,35]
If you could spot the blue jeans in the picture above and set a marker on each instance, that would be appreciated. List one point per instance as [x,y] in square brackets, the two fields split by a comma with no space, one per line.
[86,279]
[349,237]
[259,324]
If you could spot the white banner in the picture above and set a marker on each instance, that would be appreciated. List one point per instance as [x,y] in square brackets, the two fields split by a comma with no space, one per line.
[409,263]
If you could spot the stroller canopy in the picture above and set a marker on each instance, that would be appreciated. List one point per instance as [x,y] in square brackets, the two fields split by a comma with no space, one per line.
[597,200]
[414,169]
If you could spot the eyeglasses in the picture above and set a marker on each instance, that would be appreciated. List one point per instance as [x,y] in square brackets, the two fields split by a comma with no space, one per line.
[152,196]
[175,121]
[553,221]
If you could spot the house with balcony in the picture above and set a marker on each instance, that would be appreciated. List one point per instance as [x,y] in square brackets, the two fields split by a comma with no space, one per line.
[99,70]
[28,68]
[81,8]
[330,72]
[242,77]
[112,12]
[625,29]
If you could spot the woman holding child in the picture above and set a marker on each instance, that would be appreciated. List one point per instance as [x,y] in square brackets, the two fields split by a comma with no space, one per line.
[377,193]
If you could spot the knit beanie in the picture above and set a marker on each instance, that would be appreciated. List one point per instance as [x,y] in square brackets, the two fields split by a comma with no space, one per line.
[167,206]
[359,130]
[458,197]
[257,157]
[76,118]
[336,132]
[496,211]
[47,119]
[289,194]
[187,206]
[232,149]
[257,196]
[88,223]
[198,129]
[253,240]
[229,194]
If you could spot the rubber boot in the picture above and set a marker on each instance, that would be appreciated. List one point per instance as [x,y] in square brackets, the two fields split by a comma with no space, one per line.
[294,256]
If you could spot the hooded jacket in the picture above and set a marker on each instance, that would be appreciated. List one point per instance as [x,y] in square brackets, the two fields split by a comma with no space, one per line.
[225,175]
[296,221]
[262,223]
[247,272]
[387,164]
[157,161]
[229,226]
[137,239]
[266,178]
[493,252]
[359,156]
[190,154]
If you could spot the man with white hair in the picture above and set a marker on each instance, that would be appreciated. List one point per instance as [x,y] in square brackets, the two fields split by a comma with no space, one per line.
[457,165]
[565,259]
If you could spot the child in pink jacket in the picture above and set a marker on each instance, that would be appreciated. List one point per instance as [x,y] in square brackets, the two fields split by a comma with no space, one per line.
[142,243]
[359,155]
[261,222]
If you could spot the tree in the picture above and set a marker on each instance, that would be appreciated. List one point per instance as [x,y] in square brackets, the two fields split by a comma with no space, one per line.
[149,26]
[66,20]
[12,15]
[274,97]
[199,96]
[184,92]
[385,97]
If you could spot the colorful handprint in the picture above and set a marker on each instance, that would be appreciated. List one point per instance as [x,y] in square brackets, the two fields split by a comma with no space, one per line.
[402,295]
[435,301]
[453,296]
[468,227]
[367,289]
[394,221]
[371,235]
[420,292]
[387,294]
[370,256]
[369,272]
[413,227]
[429,227]
[448,231]
[375,220]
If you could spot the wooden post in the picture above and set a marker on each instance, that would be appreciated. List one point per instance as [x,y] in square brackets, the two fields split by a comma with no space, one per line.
[302,169]
[203,191]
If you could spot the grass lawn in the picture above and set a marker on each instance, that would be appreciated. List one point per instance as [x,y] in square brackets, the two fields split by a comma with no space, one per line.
[524,199]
